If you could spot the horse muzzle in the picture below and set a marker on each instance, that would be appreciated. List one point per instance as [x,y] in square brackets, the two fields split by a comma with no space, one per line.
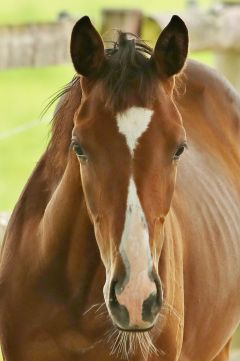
[135,306]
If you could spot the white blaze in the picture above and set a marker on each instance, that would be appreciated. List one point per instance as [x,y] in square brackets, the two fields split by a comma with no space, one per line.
[135,237]
[132,124]
[134,246]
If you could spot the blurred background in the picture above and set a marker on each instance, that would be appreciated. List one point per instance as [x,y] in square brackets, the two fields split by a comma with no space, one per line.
[34,64]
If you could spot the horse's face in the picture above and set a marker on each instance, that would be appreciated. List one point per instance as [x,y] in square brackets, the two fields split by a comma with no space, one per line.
[128,159]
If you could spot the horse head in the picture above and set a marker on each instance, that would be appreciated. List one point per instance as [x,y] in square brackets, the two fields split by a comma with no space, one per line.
[128,136]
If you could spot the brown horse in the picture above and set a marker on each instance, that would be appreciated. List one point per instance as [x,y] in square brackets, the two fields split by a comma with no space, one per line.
[108,216]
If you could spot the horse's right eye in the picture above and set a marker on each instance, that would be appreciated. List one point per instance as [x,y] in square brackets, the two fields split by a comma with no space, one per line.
[79,151]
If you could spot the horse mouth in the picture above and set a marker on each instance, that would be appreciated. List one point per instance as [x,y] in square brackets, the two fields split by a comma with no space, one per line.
[135,330]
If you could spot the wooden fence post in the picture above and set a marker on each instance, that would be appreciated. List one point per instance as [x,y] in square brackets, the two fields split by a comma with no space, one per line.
[128,20]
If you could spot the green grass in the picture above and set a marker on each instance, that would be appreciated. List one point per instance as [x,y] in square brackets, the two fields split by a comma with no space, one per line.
[23,94]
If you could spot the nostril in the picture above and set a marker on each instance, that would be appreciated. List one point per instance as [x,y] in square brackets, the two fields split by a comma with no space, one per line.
[119,312]
[113,299]
[152,305]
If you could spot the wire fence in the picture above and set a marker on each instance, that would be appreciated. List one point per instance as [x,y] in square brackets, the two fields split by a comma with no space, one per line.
[24,127]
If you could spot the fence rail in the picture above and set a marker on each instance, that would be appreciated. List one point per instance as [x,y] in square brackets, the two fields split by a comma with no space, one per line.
[217,29]
[35,44]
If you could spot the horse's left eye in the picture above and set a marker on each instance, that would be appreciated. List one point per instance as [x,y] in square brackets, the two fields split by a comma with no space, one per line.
[179,151]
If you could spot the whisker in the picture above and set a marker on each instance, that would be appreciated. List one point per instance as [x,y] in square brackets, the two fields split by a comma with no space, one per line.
[101,306]
[113,347]
[126,344]
[104,313]
[110,333]
[92,307]
[172,309]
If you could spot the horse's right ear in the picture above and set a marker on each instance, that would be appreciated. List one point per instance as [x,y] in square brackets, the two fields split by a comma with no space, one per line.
[86,48]
[171,48]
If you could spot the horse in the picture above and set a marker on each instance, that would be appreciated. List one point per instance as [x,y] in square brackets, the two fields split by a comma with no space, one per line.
[125,243]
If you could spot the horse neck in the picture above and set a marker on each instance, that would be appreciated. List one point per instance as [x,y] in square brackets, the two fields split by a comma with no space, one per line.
[171,264]
[50,223]
[68,241]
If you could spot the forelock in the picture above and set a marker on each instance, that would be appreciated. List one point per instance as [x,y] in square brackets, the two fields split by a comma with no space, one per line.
[128,73]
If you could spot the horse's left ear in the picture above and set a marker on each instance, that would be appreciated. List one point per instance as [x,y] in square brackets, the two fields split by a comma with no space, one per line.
[171,48]
[86,48]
